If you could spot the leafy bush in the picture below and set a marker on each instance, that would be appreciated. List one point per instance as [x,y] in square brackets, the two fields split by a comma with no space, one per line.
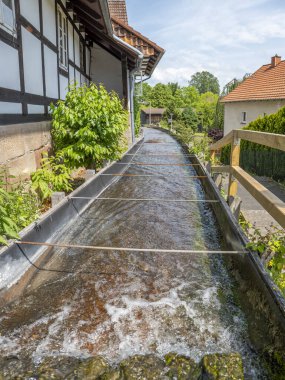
[18,208]
[137,115]
[271,249]
[89,126]
[52,176]
[190,119]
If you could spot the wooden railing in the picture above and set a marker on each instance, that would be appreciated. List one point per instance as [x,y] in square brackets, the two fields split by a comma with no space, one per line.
[272,204]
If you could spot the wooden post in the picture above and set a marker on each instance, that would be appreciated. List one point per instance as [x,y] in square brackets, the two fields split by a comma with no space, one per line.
[235,155]
[212,155]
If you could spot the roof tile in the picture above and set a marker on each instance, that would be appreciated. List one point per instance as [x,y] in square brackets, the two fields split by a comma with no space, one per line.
[118,9]
[265,84]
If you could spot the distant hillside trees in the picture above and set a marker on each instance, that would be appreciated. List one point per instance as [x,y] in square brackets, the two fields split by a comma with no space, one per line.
[201,109]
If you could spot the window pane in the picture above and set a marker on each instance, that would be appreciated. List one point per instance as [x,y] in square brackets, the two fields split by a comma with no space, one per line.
[8,16]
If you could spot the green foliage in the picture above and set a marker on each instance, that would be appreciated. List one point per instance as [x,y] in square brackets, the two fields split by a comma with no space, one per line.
[52,176]
[184,133]
[137,115]
[219,116]
[89,126]
[8,228]
[175,99]
[271,249]
[206,109]
[161,96]
[190,119]
[18,208]
[259,159]
[205,82]
[200,147]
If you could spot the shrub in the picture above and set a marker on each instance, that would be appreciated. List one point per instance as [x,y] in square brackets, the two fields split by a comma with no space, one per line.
[52,176]
[18,208]
[271,249]
[89,126]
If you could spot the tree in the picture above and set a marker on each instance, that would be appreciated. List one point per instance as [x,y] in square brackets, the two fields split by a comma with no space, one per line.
[206,109]
[190,119]
[174,87]
[161,96]
[205,82]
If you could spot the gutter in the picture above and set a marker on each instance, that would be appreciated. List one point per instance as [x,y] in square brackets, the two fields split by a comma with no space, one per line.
[131,80]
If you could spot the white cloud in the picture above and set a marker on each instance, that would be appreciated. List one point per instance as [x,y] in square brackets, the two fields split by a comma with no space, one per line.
[227,38]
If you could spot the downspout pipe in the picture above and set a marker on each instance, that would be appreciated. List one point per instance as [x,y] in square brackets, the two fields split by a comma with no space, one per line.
[132,80]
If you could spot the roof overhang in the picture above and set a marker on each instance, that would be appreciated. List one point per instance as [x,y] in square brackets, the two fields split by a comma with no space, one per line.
[151,51]
[94,19]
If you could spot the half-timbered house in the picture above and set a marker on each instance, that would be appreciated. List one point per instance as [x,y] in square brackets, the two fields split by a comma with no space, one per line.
[45,45]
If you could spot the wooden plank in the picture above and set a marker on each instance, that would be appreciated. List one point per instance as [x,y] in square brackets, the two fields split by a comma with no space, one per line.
[235,156]
[272,204]
[272,140]
[224,141]
[220,169]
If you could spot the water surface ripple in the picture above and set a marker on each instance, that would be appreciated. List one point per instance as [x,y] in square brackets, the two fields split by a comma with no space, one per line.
[118,304]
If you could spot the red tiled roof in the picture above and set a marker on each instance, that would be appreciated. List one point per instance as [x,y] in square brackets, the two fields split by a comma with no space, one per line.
[118,9]
[151,51]
[266,83]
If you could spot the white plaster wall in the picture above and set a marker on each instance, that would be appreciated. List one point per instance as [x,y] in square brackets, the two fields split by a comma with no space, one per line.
[77,77]
[71,74]
[34,109]
[63,86]
[51,73]
[32,63]
[10,108]
[9,67]
[253,109]
[77,49]
[49,22]
[70,42]
[30,10]
[106,69]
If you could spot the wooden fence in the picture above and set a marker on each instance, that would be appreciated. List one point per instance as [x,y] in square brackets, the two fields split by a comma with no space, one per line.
[272,204]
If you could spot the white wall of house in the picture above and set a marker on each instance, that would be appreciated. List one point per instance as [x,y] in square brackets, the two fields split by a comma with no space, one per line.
[106,69]
[31,77]
[30,69]
[254,109]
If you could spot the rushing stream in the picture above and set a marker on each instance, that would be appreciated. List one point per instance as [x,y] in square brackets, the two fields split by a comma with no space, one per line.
[117,304]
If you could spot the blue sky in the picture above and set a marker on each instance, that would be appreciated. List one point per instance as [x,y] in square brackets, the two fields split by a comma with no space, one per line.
[226,37]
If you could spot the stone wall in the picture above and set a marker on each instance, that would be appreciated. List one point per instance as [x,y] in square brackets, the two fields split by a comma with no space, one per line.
[21,146]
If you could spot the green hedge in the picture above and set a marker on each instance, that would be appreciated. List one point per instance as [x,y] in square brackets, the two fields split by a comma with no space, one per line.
[259,159]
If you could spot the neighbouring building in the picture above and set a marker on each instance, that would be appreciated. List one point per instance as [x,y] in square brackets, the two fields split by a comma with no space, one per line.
[152,115]
[260,94]
[47,44]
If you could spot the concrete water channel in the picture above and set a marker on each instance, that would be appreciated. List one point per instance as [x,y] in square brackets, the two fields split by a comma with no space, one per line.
[176,288]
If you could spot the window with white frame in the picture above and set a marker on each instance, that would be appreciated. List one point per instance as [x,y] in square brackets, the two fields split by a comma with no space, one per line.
[7,15]
[243,117]
[62,39]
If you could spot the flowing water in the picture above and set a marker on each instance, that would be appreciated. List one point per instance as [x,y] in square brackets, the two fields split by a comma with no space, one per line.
[117,304]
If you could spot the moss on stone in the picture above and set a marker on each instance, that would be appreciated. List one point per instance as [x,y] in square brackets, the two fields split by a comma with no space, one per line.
[222,367]
[181,367]
[91,368]
[112,374]
[147,367]
[275,364]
